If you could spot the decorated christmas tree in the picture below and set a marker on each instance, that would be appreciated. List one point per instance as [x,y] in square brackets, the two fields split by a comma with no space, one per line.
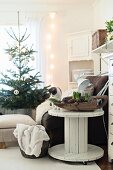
[23,86]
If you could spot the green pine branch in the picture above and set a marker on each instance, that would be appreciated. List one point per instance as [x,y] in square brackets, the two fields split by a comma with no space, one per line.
[24,87]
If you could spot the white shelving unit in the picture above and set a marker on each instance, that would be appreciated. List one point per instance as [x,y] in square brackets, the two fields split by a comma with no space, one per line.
[105,48]
[79,54]
[108,49]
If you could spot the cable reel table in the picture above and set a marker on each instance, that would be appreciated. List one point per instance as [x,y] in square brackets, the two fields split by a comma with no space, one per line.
[76,147]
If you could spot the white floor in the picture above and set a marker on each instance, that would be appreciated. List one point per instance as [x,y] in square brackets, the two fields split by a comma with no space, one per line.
[11,159]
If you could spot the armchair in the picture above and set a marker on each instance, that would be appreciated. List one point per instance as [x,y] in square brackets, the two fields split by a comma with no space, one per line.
[96,130]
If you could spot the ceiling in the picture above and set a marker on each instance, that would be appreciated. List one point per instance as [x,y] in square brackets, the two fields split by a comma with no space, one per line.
[63,1]
[49,1]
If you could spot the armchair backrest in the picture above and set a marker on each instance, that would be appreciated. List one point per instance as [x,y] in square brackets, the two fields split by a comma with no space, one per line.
[98,82]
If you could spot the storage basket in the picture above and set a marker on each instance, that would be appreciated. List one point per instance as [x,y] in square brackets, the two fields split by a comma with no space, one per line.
[44,151]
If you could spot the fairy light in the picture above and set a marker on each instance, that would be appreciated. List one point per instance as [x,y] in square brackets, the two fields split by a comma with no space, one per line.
[49,36]
[52,15]
[52,26]
[52,66]
[52,56]
[48,46]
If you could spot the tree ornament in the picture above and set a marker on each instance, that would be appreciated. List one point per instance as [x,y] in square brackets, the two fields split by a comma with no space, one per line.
[16,92]
[26,62]
[10,57]
[32,58]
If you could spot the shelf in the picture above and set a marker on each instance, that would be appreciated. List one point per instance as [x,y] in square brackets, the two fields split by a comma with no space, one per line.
[93,153]
[105,48]
[108,56]
[79,59]
[72,82]
[79,54]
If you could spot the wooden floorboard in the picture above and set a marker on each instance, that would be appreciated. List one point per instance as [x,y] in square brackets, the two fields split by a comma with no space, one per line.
[103,162]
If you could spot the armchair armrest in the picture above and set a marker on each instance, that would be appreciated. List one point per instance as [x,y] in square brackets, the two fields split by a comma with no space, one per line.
[52,122]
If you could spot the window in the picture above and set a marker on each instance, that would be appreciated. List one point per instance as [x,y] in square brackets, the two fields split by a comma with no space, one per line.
[5,40]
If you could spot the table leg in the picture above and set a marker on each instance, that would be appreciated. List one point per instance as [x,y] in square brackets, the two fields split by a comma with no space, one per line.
[76,135]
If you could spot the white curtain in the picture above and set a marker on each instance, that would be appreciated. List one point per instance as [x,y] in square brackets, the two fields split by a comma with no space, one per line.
[31,21]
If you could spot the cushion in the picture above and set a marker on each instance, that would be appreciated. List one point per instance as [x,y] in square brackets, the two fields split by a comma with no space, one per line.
[52,122]
[10,121]
[98,82]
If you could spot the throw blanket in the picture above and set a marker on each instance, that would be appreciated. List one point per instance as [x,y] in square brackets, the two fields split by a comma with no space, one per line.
[30,138]
[47,105]
[42,109]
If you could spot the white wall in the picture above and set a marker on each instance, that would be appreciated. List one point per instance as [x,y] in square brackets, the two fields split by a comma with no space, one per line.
[103,10]
[72,18]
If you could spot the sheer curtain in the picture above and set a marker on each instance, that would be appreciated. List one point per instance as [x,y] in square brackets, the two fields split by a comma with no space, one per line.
[31,22]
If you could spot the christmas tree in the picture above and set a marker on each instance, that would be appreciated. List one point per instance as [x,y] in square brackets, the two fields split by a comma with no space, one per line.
[24,88]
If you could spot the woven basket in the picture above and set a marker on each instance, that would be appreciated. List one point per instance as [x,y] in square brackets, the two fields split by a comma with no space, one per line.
[84,106]
[44,151]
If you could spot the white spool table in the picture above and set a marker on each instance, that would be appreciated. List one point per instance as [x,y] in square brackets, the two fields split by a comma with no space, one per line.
[76,147]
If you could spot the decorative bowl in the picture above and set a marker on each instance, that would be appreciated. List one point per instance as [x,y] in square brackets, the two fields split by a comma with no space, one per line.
[95,102]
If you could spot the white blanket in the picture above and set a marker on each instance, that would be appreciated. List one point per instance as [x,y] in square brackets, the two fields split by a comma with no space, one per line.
[30,138]
[42,109]
[47,105]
